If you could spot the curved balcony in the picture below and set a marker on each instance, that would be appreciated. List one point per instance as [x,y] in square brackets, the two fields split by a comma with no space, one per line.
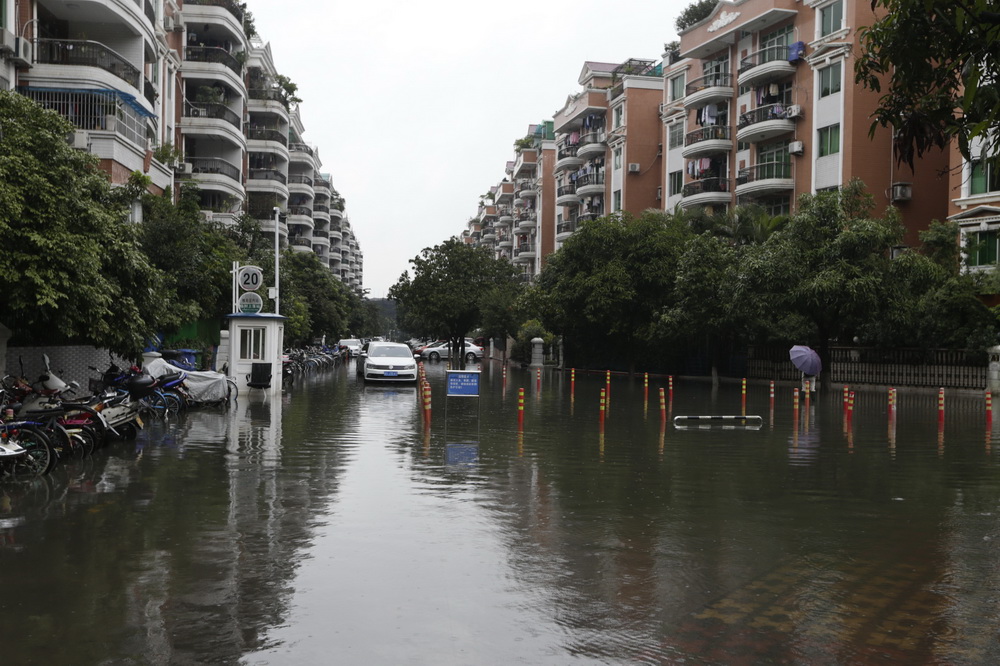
[506,217]
[708,89]
[591,145]
[708,141]
[86,53]
[567,159]
[590,184]
[300,184]
[526,222]
[566,195]
[300,152]
[504,242]
[707,191]
[214,61]
[268,136]
[301,216]
[564,230]
[336,211]
[320,240]
[214,120]
[764,122]
[489,234]
[765,65]
[300,243]
[527,190]
[524,253]
[766,178]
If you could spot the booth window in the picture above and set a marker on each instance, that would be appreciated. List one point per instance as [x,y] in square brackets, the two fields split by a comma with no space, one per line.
[251,344]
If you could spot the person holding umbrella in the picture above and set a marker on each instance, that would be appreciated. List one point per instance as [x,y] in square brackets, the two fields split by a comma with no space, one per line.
[807,361]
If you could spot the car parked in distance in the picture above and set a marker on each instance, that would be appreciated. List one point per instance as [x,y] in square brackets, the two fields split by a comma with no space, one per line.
[353,346]
[440,349]
[387,361]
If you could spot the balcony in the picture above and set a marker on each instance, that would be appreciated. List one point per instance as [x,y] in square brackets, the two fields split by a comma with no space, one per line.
[300,243]
[85,53]
[525,163]
[506,217]
[212,165]
[300,184]
[268,174]
[567,159]
[526,221]
[266,134]
[592,145]
[766,122]
[590,184]
[564,230]
[524,253]
[566,195]
[526,189]
[489,234]
[214,55]
[708,89]
[231,6]
[504,241]
[707,191]
[707,141]
[763,179]
[765,65]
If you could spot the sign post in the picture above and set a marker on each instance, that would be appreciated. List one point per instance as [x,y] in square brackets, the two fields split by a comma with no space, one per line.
[462,384]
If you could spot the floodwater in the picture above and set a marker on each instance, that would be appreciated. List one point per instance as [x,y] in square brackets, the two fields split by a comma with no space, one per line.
[328,526]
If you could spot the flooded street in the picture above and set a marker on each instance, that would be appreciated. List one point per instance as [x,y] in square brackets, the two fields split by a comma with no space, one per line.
[328,527]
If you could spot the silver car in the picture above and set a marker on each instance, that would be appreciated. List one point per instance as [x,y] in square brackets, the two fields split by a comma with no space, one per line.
[387,361]
[353,346]
[439,350]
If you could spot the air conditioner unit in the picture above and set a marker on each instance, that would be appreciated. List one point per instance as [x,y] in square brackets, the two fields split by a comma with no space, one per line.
[184,168]
[178,22]
[633,167]
[23,52]
[168,23]
[796,148]
[902,191]
[195,112]
[793,111]
[659,192]
[80,139]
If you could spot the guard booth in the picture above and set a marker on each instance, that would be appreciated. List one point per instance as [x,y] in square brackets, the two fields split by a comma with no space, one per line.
[255,338]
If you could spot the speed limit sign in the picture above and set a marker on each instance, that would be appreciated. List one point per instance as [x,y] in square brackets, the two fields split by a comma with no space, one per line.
[250,278]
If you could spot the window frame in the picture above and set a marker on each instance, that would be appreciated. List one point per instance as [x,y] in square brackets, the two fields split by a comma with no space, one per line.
[677,87]
[828,140]
[675,182]
[675,135]
[826,81]
[253,339]
[825,16]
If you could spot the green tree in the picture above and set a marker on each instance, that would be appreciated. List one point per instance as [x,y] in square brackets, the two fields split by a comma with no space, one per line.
[315,301]
[502,313]
[829,267]
[445,293]
[697,11]
[704,305]
[71,269]
[608,283]
[938,61]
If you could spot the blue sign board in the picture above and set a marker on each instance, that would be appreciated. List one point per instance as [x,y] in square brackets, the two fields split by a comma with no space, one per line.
[463,383]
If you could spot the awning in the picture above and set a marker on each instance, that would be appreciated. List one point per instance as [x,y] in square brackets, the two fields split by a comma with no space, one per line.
[124,97]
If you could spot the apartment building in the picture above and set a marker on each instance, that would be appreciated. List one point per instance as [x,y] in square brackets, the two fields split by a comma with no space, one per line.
[760,106]
[176,90]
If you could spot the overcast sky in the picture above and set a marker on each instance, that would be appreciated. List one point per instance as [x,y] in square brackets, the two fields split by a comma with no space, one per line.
[415,106]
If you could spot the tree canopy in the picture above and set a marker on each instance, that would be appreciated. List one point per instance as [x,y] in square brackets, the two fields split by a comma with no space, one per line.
[938,61]
[445,294]
[693,13]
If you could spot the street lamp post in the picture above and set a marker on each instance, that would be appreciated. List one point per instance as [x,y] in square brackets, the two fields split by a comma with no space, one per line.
[277,231]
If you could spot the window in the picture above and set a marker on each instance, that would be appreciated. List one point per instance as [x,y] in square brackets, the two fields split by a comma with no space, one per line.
[677,88]
[982,248]
[616,200]
[829,140]
[829,80]
[773,161]
[984,178]
[675,183]
[778,38]
[618,158]
[775,206]
[831,18]
[251,344]
[675,135]
[618,116]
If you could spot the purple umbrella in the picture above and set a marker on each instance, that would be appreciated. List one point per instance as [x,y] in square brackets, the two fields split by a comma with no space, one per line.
[805,359]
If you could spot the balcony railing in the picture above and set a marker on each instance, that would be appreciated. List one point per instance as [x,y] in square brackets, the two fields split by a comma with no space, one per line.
[320,208]
[567,151]
[214,54]
[266,94]
[321,233]
[214,165]
[149,91]
[591,137]
[323,182]
[566,189]
[763,113]
[231,5]
[590,179]
[299,179]
[299,241]
[214,111]
[301,148]
[268,174]
[265,134]
[765,171]
[524,247]
[718,80]
[764,56]
[566,227]
[86,53]
[712,132]
[706,185]
[305,211]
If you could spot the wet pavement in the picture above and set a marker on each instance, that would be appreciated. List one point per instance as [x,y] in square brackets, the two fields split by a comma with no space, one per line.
[329,526]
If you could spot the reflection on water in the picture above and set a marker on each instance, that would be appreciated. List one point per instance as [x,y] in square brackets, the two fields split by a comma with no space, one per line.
[329,521]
